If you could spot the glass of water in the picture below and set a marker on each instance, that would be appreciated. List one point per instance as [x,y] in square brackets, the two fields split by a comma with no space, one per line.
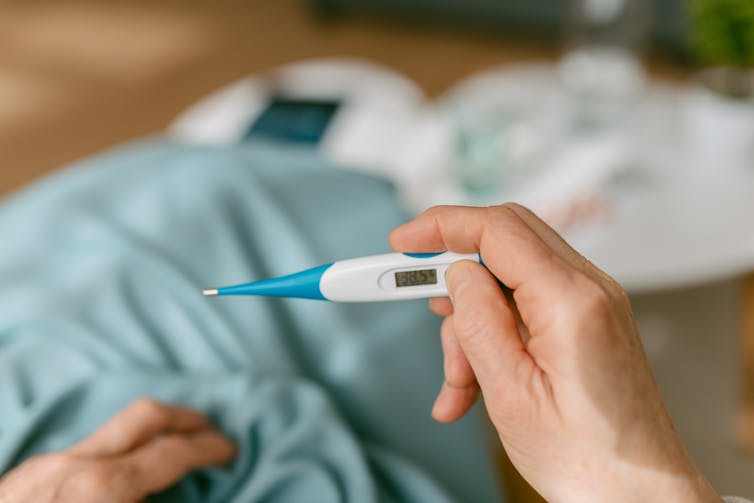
[601,68]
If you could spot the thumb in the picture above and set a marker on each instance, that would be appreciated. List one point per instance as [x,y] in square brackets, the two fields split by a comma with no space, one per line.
[485,325]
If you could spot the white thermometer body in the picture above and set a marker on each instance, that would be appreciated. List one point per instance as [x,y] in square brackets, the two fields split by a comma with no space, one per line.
[392,276]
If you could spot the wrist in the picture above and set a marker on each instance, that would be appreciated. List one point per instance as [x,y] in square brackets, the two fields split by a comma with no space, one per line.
[689,486]
[636,484]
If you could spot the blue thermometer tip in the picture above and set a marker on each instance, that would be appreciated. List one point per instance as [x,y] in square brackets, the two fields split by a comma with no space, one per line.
[303,284]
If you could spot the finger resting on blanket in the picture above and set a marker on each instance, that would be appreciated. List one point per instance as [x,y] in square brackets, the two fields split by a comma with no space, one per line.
[137,424]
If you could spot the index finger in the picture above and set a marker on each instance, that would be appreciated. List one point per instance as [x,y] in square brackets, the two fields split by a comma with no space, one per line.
[142,420]
[510,249]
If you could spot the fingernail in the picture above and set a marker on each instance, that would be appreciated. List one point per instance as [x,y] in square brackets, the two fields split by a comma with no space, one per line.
[436,404]
[434,409]
[456,275]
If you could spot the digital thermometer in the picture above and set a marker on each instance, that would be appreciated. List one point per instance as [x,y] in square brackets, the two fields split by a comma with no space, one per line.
[393,276]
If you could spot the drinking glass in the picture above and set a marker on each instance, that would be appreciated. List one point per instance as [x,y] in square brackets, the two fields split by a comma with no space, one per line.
[601,68]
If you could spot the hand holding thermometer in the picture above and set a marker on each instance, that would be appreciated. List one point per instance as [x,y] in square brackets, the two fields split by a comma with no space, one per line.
[393,276]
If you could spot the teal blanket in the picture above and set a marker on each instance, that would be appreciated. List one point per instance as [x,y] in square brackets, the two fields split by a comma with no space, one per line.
[101,267]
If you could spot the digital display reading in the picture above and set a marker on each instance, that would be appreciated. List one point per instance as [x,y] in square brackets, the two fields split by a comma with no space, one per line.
[415,278]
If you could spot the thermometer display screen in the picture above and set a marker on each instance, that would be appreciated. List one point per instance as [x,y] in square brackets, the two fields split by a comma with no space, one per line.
[415,278]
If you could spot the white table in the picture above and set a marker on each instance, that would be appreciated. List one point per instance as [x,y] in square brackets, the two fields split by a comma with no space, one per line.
[673,221]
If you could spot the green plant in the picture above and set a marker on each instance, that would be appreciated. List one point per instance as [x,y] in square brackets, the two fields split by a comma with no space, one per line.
[723,31]
[722,34]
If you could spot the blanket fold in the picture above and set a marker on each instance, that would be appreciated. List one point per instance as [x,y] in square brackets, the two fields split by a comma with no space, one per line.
[101,271]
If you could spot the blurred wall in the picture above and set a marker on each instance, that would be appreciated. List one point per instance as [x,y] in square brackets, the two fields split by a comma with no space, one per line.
[530,17]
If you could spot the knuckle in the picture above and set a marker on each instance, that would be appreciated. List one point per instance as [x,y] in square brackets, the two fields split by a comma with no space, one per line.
[507,210]
[500,211]
[612,288]
[506,225]
[593,299]
[149,407]
[436,211]
[513,206]
[618,292]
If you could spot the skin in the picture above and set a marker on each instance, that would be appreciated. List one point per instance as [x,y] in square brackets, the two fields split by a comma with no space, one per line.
[557,358]
[123,461]
[555,355]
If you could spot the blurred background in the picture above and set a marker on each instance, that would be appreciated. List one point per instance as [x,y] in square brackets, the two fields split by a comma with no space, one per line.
[627,124]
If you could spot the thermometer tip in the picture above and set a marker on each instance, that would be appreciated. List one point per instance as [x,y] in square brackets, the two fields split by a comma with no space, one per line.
[209,292]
